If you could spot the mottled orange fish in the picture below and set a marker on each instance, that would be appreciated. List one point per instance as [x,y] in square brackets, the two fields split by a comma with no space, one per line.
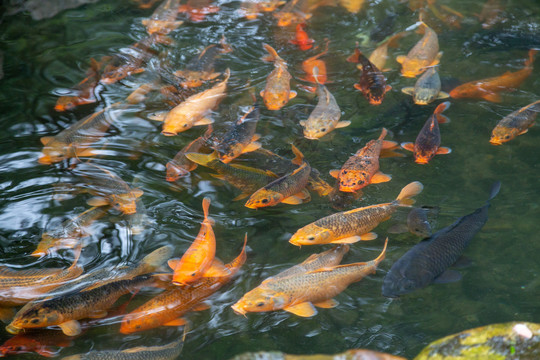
[46,344]
[199,260]
[362,168]
[489,89]
[300,293]
[277,91]
[515,124]
[84,89]
[163,20]
[198,9]
[180,166]
[372,82]
[309,66]
[354,225]
[301,38]
[424,54]
[169,307]
[428,141]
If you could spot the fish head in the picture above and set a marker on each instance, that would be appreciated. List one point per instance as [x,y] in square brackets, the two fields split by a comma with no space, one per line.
[180,124]
[352,180]
[53,154]
[33,317]
[502,134]
[231,152]
[412,67]
[174,172]
[65,103]
[422,157]
[124,203]
[275,100]
[423,96]
[396,284]
[113,74]
[310,235]
[263,198]
[464,91]
[260,299]
[187,275]
[316,128]
[137,321]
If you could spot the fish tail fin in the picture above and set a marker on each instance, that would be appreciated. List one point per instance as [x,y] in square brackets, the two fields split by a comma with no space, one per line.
[382,254]
[206,206]
[240,259]
[227,75]
[393,41]
[202,159]
[272,54]
[495,188]
[384,132]
[355,57]
[316,74]
[529,62]
[405,196]
[77,252]
[156,258]
[299,157]
[441,107]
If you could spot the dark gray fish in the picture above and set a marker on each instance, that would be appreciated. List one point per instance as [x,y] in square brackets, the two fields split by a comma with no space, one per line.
[417,223]
[428,261]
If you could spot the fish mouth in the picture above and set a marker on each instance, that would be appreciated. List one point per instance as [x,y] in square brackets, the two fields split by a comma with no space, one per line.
[168,133]
[311,137]
[251,206]
[295,242]
[45,160]
[422,161]
[495,142]
[238,310]
[13,329]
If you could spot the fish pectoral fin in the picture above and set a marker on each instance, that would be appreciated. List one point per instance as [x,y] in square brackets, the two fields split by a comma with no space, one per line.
[408,146]
[491,96]
[200,307]
[85,152]
[204,121]
[158,116]
[137,192]
[441,119]
[252,147]
[292,200]
[408,90]
[217,269]
[71,328]
[6,314]
[176,322]
[327,304]
[368,236]
[401,59]
[387,88]
[97,201]
[379,177]
[343,124]
[242,196]
[292,94]
[443,95]
[304,195]
[97,314]
[523,132]
[443,151]
[218,176]
[358,87]
[386,153]
[305,309]
[387,144]
[334,173]
[262,93]
[173,263]
[137,71]
[447,277]
[398,229]
[46,140]
[462,262]
[347,240]
[256,137]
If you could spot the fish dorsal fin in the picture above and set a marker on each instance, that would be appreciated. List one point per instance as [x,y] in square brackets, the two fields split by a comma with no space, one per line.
[217,269]
[299,156]
[305,309]
[46,140]
[173,263]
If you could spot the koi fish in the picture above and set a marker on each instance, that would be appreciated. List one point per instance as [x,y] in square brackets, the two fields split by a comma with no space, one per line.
[165,352]
[242,177]
[424,54]
[139,95]
[352,6]
[372,82]
[145,4]
[417,224]
[379,56]
[302,38]
[362,168]
[325,117]
[75,140]
[69,233]
[17,287]
[354,225]
[109,189]
[318,184]
[198,9]
[65,310]
[299,11]
[299,293]
[309,66]
[241,138]
[515,124]
[169,307]
[84,90]
[427,88]
[201,68]
[41,343]
[163,20]
[180,165]
[199,260]
[445,14]
[277,91]
[288,189]
[193,111]
[252,9]
[428,261]
[492,13]
[428,141]
[488,89]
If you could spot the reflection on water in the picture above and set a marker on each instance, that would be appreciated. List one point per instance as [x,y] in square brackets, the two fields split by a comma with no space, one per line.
[43,59]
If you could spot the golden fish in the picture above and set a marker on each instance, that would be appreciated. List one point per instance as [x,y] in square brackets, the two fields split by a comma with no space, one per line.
[352,6]
[379,56]
[300,293]
[515,124]
[351,226]
[424,54]
[163,20]
[277,91]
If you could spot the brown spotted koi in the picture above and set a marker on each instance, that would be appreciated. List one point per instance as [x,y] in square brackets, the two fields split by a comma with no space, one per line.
[277,91]
[372,82]
[515,124]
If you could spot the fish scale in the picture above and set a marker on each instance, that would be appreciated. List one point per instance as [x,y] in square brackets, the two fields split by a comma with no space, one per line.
[165,352]
[358,221]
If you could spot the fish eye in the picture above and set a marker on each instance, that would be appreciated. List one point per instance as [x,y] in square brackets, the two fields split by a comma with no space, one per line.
[264,201]
[507,137]
[194,274]
[344,172]
[259,304]
[311,238]
[35,321]
[185,125]
[323,130]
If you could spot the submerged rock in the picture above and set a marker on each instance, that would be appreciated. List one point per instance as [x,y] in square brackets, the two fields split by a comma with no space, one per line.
[356,354]
[513,340]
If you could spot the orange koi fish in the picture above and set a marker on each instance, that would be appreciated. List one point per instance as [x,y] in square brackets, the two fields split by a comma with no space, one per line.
[145,4]
[372,82]
[277,91]
[163,20]
[298,11]
[75,141]
[352,6]
[180,166]
[42,343]
[488,89]
[198,9]
[424,54]
[193,111]
[310,64]
[288,189]
[362,168]
[515,124]
[428,141]
[300,293]
[302,38]
[84,89]
[169,307]
[354,225]
[199,260]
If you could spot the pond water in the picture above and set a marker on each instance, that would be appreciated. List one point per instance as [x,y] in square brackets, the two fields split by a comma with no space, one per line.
[43,59]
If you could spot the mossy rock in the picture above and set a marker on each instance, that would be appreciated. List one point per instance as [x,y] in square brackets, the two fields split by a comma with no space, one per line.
[348,355]
[514,340]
